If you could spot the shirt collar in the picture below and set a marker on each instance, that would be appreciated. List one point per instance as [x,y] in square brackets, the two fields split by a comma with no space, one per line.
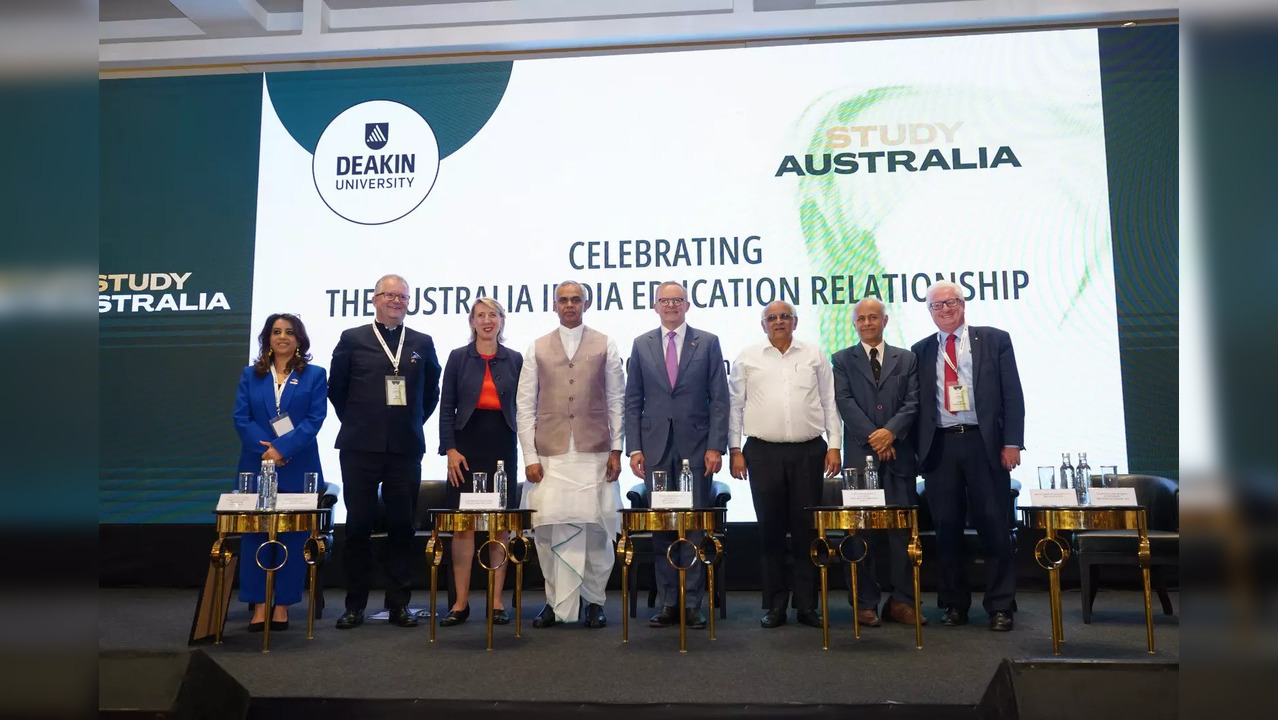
[386,328]
[679,331]
[573,333]
[960,331]
[882,346]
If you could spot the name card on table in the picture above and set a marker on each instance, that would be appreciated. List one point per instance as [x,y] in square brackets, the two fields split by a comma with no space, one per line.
[671,500]
[1113,496]
[863,498]
[296,501]
[479,501]
[236,502]
[1053,497]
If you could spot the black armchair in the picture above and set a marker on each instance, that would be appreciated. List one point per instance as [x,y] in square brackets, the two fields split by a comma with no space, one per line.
[1161,499]
[640,499]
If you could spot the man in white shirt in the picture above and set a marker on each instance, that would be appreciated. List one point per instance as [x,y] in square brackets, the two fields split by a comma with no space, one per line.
[782,398]
[569,415]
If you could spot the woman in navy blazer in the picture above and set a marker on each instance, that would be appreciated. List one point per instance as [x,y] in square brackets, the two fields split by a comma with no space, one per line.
[477,429]
[279,390]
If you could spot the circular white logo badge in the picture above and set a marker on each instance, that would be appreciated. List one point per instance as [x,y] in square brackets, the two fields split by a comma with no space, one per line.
[376,162]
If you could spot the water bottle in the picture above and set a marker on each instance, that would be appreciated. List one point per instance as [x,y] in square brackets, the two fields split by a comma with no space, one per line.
[1082,479]
[499,479]
[685,478]
[871,473]
[266,486]
[1067,473]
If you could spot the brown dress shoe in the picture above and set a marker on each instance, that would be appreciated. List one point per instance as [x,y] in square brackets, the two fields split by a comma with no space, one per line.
[868,618]
[900,612]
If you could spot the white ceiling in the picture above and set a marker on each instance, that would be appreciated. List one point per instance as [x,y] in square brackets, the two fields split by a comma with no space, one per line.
[146,36]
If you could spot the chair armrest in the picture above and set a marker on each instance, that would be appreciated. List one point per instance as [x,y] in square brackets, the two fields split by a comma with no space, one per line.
[720,493]
[1016,490]
[328,498]
[638,496]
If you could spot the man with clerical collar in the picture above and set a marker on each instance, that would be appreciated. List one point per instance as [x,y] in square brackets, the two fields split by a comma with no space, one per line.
[677,411]
[876,387]
[570,428]
[971,429]
[782,395]
[384,384]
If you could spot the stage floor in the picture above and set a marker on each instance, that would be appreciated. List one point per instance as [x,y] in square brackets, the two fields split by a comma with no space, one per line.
[747,664]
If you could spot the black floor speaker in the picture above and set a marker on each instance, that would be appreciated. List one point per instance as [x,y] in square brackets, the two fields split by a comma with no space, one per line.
[1035,689]
[185,684]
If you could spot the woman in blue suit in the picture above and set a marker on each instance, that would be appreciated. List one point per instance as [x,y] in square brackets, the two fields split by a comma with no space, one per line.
[280,406]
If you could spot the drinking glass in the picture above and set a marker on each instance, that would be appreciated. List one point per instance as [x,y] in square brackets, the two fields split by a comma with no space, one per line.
[1046,477]
[310,483]
[660,481]
[849,478]
[247,483]
[481,482]
[1107,476]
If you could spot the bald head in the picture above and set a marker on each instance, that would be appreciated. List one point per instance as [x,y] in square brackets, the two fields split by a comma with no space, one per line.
[870,316]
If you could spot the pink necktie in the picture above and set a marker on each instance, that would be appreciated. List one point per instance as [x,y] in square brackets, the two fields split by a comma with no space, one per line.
[672,359]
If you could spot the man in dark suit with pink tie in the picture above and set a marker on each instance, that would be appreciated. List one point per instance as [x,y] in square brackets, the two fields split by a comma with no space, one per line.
[971,430]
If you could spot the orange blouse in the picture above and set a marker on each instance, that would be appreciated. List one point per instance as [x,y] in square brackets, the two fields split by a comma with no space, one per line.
[488,398]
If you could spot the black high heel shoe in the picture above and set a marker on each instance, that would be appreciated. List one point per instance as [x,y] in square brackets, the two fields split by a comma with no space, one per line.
[455,617]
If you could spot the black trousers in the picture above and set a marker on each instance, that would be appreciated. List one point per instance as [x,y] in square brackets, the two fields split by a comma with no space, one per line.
[666,575]
[785,478]
[400,476]
[897,490]
[961,479]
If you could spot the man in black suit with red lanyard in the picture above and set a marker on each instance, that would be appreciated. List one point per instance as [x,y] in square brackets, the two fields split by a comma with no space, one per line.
[971,430]
[384,384]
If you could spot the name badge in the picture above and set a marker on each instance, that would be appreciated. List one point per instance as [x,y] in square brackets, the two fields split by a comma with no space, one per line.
[396,390]
[1053,497]
[281,424]
[671,500]
[479,501]
[1112,496]
[235,502]
[959,398]
[864,498]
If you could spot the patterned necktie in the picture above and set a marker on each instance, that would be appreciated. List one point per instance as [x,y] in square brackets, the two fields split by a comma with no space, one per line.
[951,373]
[672,359]
[874,363]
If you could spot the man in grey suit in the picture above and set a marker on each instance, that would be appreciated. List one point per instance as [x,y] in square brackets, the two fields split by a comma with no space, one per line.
[876,389]
[676,410]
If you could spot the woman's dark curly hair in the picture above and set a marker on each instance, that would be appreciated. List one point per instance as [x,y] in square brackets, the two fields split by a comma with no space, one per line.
[298,362]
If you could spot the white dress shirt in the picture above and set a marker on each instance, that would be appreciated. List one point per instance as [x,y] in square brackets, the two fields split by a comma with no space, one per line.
[880,347]
[963,352]
[526,398]
[783,398]
[680,332]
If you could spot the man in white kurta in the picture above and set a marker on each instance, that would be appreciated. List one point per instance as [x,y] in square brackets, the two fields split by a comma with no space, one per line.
[570,403]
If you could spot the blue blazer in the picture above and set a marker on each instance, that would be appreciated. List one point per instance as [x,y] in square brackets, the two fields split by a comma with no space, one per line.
[696,407]
[866,405]
[305,399]
[463,380]
[1000,403]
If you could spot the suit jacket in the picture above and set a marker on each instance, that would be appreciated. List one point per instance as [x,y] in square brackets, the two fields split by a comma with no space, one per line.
[696,407]
[463,380]
[357,388]
[866,405]
[305,402]
[1000,404]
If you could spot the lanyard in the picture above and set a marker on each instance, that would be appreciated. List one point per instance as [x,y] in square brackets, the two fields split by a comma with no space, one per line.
[958,343]
[398,351]
[279,387]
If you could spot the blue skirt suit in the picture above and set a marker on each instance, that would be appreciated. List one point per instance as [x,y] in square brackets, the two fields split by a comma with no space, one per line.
[305,399]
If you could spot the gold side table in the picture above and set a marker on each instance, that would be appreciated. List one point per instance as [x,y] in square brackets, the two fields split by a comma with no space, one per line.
[709,520]
[1052,519]
[271,522]
[514,521]
[851,519]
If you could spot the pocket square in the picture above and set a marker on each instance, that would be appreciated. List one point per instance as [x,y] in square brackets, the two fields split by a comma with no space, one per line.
[414,357]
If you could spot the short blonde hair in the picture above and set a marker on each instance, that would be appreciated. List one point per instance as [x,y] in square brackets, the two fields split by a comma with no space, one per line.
[493,305]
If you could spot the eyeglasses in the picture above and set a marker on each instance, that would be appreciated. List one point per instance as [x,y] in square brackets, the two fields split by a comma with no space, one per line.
[782,316]
[670,302]
[952,302]
[393,296]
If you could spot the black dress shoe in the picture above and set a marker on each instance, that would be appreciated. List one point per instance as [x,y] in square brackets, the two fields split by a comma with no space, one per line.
[455,617]
[401,617]
[277,625]
[1001,620]
[773,618]
[350,619]
[593,616]
[954,617]
[811,618]
[545,618]
[257,626]
[667,617]
[500,617]
[696,619]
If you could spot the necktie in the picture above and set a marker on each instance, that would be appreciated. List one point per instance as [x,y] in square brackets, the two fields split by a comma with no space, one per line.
[875,365]
[672,359]
[951,373]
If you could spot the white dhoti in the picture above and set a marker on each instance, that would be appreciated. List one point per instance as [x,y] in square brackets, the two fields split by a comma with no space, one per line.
[575,524]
